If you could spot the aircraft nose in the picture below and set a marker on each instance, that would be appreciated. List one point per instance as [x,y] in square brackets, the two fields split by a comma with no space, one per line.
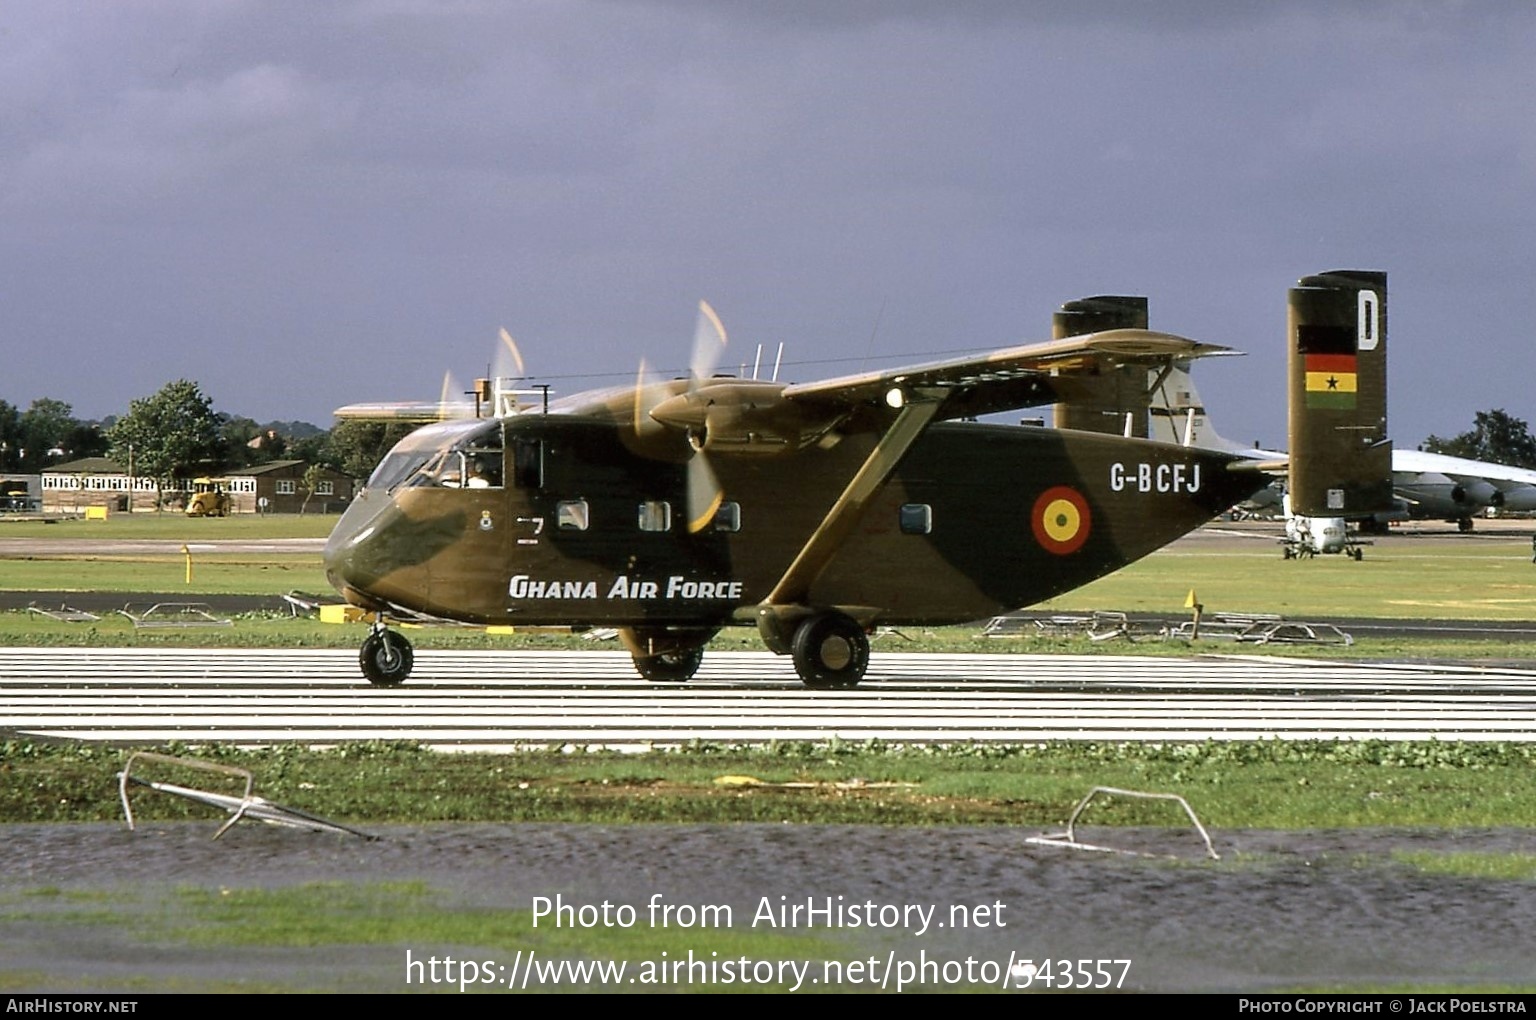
[348,555]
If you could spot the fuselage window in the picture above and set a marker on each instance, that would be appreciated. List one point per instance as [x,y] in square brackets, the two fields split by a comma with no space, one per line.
[571,515]
[528,463]
[728,517]
[916,518]
[655,515]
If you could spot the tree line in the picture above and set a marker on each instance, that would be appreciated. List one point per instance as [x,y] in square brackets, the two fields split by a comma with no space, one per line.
[176,433]
[1496,437]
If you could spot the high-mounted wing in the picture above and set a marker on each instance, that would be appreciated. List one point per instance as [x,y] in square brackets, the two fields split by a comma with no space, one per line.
[749,417]
[419,412]
[494,397]
[1003,380]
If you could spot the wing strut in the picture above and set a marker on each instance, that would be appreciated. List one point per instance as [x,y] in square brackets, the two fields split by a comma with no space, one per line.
[794,587]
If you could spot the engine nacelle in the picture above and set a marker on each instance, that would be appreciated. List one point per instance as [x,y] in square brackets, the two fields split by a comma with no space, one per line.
[1477,493]
[738,416]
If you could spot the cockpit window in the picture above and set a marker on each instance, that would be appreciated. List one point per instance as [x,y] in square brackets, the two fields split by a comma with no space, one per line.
[472,462]
[451,455]
[397,467]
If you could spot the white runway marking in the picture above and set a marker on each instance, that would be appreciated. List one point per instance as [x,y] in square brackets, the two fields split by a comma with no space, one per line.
[486,700]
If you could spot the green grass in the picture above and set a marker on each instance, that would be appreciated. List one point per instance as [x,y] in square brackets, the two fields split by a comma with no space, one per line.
[221,573]
[1270,784]
[20,629]
[173,527]
[212,573]
[1506,867]
[1487,578]
[432,923]
[384,913]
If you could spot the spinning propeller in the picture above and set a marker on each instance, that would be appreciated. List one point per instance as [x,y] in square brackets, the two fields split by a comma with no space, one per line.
[709,340]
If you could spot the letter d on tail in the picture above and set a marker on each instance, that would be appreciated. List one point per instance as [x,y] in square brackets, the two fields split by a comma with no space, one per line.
[1340,456]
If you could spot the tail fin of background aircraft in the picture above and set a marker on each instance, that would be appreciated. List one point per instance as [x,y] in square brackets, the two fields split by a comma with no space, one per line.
[1340,456]
[1176,414]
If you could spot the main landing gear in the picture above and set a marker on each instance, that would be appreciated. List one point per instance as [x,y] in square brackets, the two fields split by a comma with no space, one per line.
[666,656]
[831,651]
[387,657]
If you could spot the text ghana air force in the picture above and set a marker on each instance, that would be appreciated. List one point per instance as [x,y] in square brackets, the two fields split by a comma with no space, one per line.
[813,511]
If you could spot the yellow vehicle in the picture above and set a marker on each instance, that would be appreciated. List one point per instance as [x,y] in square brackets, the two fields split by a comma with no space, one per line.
[210,498]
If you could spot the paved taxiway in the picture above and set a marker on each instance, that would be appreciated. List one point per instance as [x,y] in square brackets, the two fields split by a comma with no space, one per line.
[484,700]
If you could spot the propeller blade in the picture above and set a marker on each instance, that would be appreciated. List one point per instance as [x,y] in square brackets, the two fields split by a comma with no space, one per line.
[509,346]
[650,391]
[704,493]
[708,344]
[450,398]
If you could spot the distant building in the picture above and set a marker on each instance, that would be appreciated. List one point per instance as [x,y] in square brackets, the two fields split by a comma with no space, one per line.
[99,481]
[96,481]
[281,484]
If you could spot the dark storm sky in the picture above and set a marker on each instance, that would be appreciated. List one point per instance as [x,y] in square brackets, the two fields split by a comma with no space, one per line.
[301,205]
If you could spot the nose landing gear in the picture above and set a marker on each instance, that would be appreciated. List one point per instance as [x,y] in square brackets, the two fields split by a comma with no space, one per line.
[666,655]
[386,657]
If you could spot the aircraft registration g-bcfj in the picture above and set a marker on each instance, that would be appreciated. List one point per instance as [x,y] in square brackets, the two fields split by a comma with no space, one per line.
[814,511]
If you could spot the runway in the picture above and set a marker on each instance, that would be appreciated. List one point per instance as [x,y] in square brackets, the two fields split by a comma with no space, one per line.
[485,700]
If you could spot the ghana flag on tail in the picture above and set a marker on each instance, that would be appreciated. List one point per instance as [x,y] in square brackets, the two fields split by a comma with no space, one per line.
[1336,393]
[1328,358]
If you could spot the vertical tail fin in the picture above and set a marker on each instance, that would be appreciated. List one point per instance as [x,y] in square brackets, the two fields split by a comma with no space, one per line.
[1340,456]
[1176,414]
[1100,404]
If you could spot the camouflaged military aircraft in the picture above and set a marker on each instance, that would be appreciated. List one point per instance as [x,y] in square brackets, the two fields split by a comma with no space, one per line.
[814,511]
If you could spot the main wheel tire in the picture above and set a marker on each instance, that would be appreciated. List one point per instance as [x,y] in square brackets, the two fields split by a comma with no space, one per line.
[1464,525]
[386,658]
[670,667]
[830,651]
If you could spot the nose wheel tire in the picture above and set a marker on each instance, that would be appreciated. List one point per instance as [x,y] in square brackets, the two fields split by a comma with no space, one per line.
[386,658]
[670,667]
[831,651]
